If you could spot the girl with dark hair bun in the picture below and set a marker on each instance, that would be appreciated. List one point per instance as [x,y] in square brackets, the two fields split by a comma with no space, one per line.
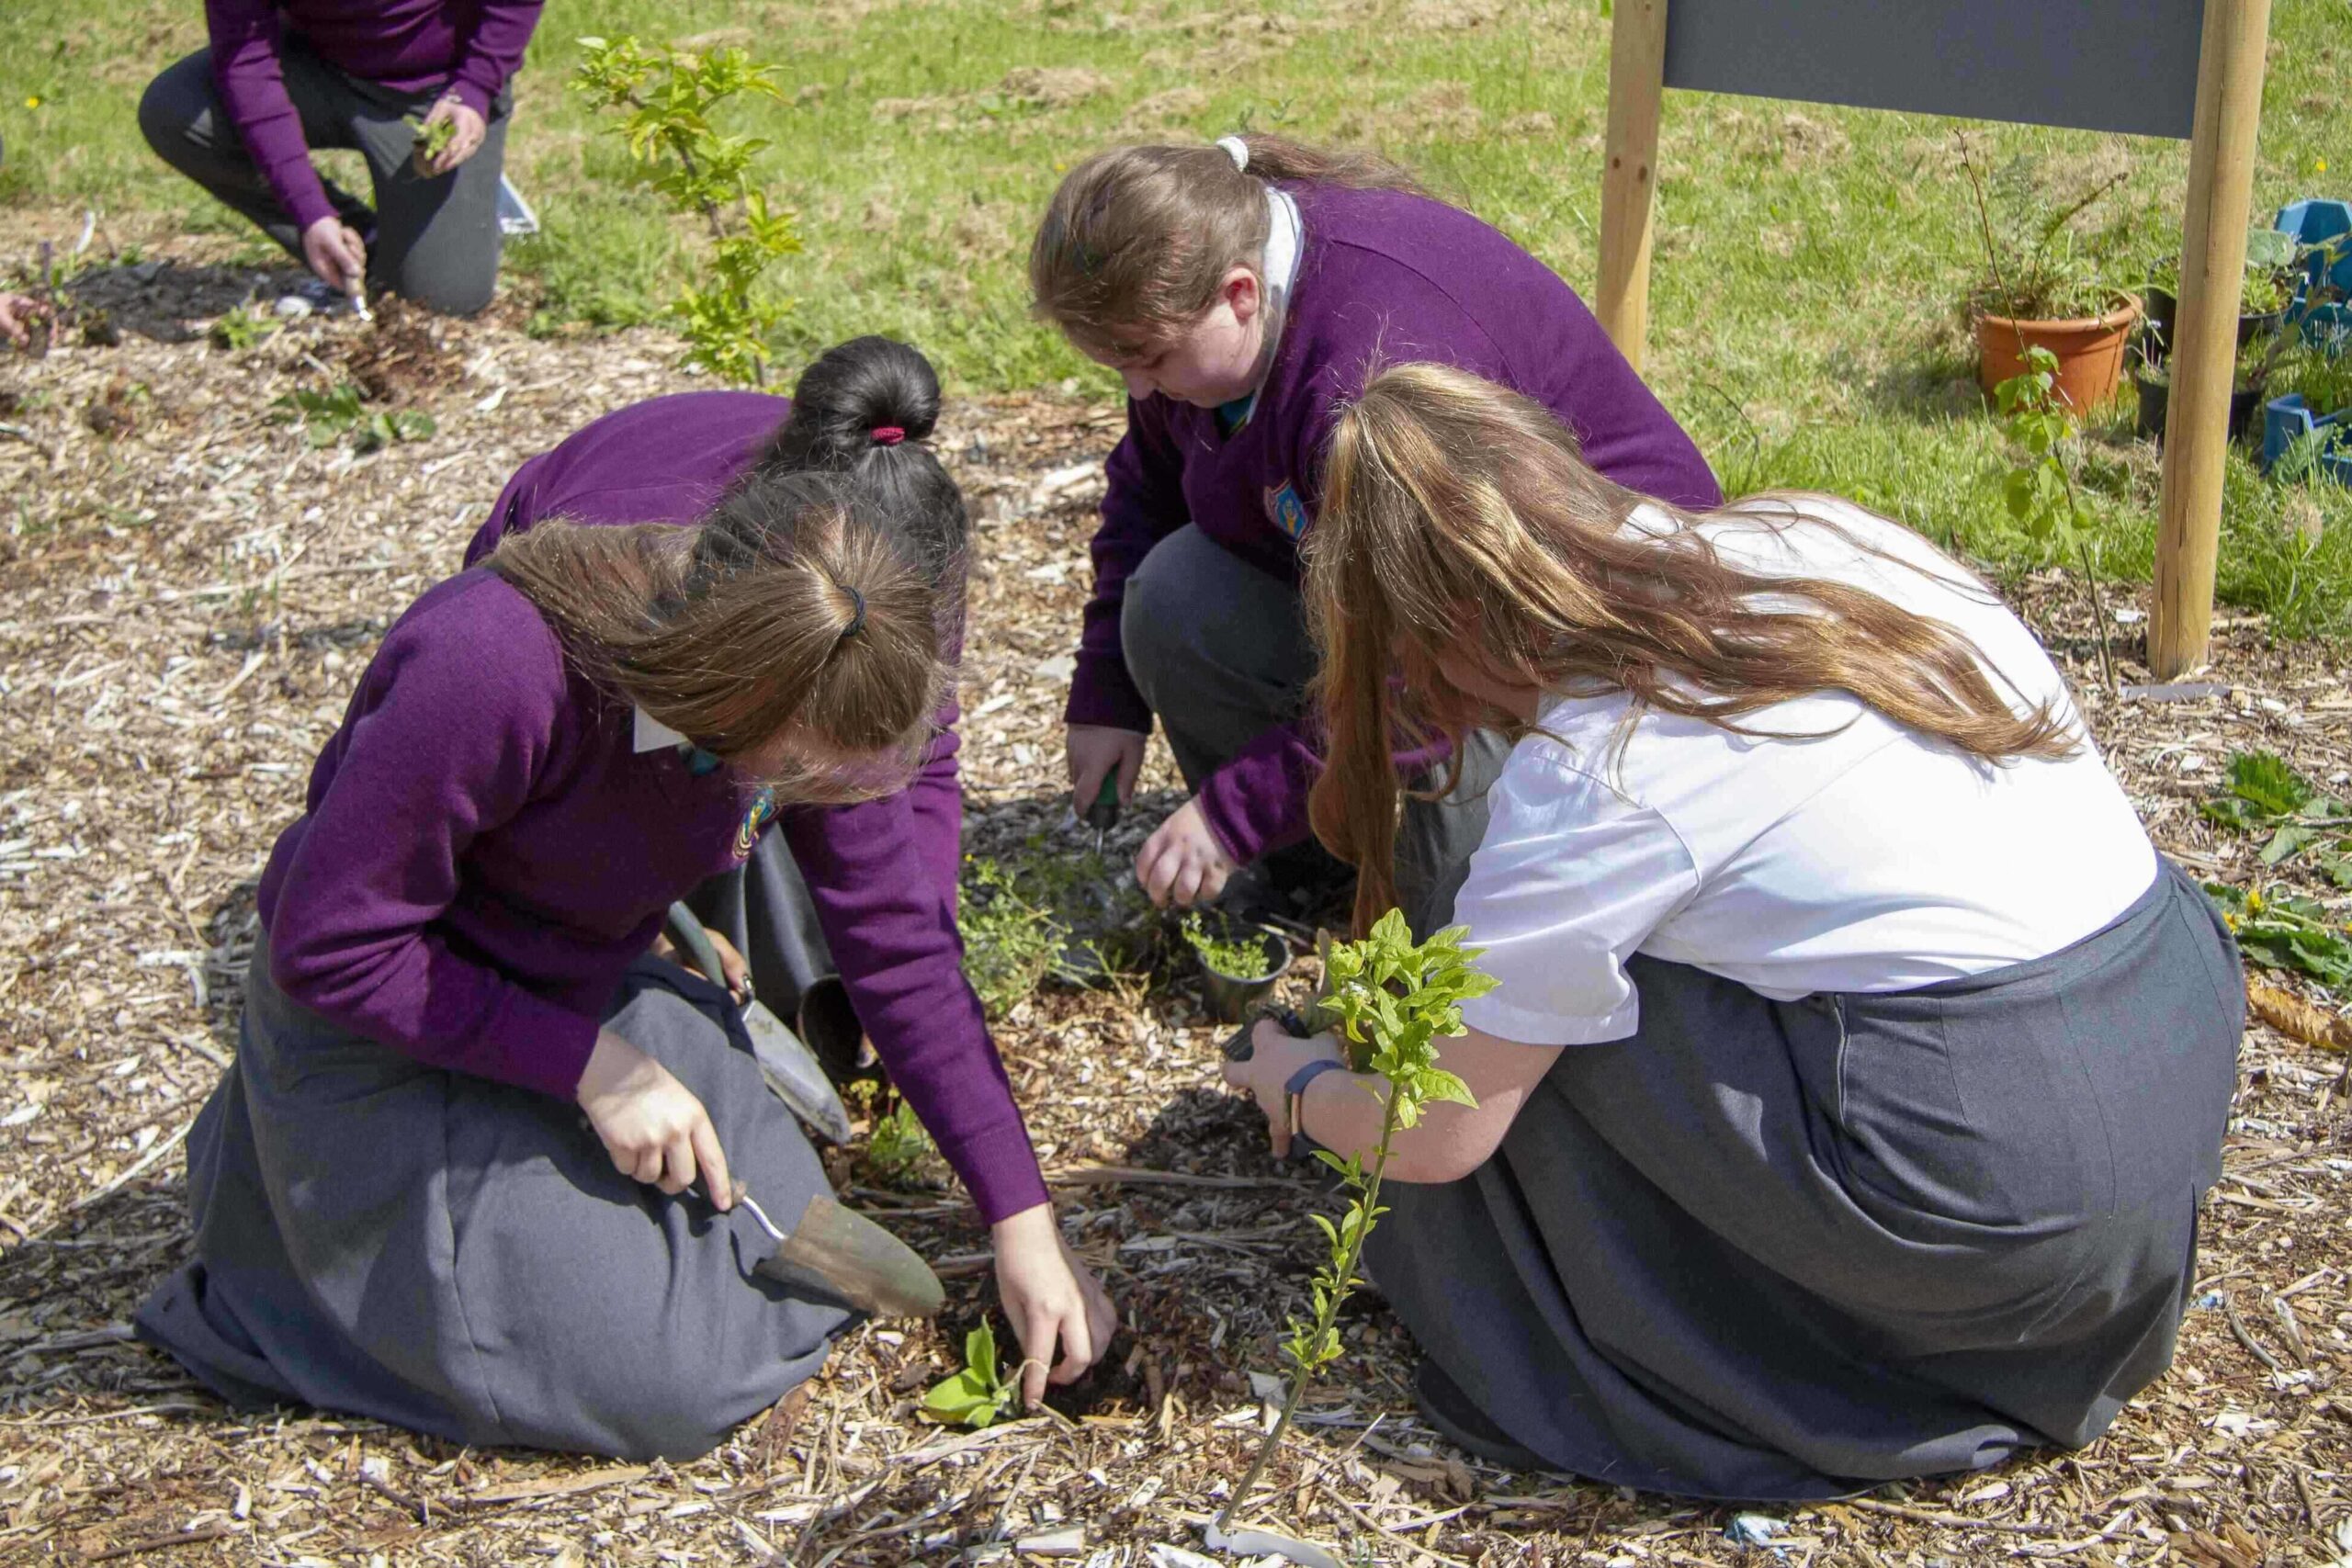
[1241,290]
[843,919]
[697,620]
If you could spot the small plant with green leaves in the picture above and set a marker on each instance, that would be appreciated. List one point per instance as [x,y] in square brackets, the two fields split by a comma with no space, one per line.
[2040,489]
[2280,929]
[1012,940]
[977,1397]
[2047,264]
[1393,999]
[433,139]
[898,1144]
[2263,794]
[342,414]
[667,98]
[1233,950]
[242,328]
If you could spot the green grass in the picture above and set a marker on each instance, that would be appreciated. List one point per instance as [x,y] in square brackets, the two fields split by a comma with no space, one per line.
[1808,259]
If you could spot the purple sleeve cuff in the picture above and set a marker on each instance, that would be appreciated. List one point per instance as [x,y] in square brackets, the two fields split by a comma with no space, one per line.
[1103,693]
[1257,803]
[473,95]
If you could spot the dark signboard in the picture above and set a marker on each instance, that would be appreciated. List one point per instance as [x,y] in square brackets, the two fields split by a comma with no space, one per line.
[2127,66]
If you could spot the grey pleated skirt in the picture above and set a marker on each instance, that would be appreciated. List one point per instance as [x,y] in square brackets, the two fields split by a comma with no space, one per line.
[460,1256]
[1769,1250]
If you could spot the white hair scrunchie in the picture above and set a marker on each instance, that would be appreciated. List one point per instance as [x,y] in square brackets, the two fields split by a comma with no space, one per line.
[1237,150]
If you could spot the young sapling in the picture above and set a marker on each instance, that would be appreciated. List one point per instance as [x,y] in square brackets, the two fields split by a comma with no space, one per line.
[670,95]
[1393,999]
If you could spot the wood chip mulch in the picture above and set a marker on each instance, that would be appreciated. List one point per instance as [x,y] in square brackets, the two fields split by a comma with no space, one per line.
[187,593]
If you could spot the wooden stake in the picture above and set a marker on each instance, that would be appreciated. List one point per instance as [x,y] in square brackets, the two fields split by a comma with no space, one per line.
[2204,335]
[1629,178]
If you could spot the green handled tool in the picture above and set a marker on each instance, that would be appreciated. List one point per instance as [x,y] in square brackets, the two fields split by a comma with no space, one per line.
[1103,814]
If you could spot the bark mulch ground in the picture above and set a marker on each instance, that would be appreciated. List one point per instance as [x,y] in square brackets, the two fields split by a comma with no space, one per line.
[189,588]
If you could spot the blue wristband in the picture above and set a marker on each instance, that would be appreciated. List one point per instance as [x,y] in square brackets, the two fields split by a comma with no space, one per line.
[1295,1092]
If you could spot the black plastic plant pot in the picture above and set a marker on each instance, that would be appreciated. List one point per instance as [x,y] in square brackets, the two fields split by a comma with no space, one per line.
[1231,997]
[2155,395]
[2163,308]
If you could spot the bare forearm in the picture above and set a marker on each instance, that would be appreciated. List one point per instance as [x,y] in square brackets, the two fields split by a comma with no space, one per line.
[1343,1113]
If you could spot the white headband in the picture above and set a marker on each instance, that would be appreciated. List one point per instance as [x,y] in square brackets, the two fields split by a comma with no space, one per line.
[1235,149]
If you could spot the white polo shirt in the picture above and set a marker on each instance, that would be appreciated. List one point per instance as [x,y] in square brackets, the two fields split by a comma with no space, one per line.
[1833,851]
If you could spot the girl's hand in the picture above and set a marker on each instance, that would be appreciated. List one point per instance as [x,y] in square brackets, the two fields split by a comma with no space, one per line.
[1096,751]
[335,253]
[654,1128]
[1054,1301]
[1277,1054]
[18,312]
[464,142]
[734,972]
[1182,862]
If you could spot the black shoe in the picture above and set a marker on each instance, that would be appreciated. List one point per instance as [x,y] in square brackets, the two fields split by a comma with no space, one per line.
[1444,1406]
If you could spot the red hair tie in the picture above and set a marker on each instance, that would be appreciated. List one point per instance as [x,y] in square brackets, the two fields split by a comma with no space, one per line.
[889,435]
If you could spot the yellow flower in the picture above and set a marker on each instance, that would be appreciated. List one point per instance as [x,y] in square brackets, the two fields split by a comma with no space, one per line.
[33,102]
[2319,166]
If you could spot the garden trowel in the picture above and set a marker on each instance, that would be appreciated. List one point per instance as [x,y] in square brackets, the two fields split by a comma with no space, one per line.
[840,1253]
[791,1068]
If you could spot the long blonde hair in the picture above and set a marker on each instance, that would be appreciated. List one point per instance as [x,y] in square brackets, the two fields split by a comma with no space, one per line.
[1138,240]
[1460,519]
[794,609]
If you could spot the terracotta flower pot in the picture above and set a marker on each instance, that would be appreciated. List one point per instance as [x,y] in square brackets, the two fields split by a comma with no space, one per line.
[2089,351]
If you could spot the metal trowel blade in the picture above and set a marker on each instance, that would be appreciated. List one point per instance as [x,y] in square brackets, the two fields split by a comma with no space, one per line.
[793,1071]
[837,1252]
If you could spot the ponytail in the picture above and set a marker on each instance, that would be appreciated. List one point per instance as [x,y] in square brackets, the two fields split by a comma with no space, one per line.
[865,409]
[1137,241]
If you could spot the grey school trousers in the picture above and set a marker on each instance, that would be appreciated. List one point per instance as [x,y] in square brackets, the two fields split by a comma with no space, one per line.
[1220,651]
[431,238]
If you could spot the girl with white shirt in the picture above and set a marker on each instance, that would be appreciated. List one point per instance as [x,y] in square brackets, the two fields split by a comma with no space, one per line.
[1857,1064]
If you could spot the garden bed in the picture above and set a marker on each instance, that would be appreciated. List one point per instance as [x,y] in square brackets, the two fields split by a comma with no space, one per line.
[187,590]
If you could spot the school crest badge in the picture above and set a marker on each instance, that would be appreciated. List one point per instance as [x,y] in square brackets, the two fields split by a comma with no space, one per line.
[760,813]
[1285,511]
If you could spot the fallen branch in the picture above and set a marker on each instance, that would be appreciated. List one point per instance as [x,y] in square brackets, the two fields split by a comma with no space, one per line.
[213,1531]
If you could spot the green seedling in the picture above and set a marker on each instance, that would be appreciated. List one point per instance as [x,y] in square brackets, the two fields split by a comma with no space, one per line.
[1393,999]
[666,98]
[1242,958]
[898,1144]
[339,415]
[977,1397]
[242,328]
[2263,794]
[433,139]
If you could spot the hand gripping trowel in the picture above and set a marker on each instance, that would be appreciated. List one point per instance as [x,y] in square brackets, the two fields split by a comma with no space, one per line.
[831,1250]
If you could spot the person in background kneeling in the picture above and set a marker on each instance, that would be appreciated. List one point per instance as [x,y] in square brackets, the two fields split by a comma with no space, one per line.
[1857,1066]
[281,77]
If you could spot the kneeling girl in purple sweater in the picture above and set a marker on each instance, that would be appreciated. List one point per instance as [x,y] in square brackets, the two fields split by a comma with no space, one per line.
[440,1186]
[1242,291]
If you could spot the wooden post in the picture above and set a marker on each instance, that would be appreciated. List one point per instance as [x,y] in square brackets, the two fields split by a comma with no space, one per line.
[1636,86]
[2204,335]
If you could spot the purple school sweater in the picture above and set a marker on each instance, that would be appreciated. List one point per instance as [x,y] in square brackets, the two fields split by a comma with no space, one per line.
[1383,278]
[883,872]
[469,46]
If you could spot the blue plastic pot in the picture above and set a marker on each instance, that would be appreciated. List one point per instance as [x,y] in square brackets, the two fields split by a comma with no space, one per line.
[2287,420]
[2314,221]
